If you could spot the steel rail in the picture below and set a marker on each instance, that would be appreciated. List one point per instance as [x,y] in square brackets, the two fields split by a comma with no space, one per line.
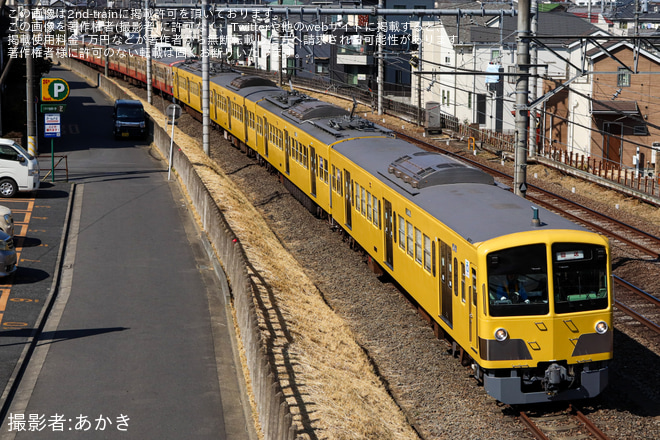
[647,296]
[533,427]
[593,429]
[630,312]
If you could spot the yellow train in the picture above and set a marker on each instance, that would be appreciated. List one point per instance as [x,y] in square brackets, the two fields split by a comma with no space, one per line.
[524,295]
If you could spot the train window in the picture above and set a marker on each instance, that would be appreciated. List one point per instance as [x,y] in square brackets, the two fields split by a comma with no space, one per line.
[376,208]
[305,150]
[474,287]
[410,240]
[260,126]
[517,281]
[462,280]
[369,206]
[323,167]
[402,233]
[418,246]
[580,277]
[427,253]
[363,196]
[357,199]
[455,279]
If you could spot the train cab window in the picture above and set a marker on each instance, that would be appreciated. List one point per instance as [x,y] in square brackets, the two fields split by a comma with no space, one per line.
[518,281]
[580,277]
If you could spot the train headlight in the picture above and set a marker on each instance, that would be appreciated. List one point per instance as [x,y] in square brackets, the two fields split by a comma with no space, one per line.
[501,334]
[601,327]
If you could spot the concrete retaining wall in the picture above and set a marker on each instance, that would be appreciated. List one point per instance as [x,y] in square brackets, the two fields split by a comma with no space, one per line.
[273,411]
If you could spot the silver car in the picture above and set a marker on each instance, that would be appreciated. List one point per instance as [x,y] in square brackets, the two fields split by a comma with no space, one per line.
[7,255]
[6,221]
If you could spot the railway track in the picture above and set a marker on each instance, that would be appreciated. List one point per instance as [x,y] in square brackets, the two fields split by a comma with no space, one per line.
[635,303]
[568,424]
[617,231]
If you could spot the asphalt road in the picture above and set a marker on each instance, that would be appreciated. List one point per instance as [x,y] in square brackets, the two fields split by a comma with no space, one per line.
[136,344]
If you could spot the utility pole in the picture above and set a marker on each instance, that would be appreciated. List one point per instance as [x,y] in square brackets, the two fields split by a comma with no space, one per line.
[419,76]
[533,148]
[147,43]
[522,92]
[205,78]
[381,60]
[29,78]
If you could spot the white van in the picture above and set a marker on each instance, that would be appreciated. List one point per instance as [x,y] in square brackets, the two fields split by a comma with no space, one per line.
[19,170]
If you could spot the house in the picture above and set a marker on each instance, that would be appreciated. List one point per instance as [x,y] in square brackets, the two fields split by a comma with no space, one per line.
[623,107]
[455,49]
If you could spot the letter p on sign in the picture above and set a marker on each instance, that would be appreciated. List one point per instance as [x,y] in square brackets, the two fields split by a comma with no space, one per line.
[54,89]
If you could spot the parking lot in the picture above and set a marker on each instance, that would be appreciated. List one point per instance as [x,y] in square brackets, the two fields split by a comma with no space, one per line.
[39,224]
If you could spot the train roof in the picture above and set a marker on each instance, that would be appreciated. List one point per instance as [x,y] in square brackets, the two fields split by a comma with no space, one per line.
[326,122]
[449,189]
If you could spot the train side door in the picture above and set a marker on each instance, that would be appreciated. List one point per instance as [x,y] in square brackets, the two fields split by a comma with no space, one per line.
[446,312]
[266,134]
[389,226]
[229,104]
[246,122]
[287,152]
[474,316]
[312,170]
[348,198]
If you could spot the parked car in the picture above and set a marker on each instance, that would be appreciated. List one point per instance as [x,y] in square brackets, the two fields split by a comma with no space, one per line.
[19,170]
[129,119]
[7,255]
[6,221]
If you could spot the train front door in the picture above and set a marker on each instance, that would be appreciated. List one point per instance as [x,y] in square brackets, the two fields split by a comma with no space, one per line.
[389,249]
[348,198]
[446,306]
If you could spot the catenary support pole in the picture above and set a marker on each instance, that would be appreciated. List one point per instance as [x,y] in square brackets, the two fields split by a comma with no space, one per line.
[522,92]
[29,93]
[147,43]
[381,60]
[205,78]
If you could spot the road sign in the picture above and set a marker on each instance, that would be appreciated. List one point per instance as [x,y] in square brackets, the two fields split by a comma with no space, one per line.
[54,89]
[52,118]
[53,108]
[173,111]
[52,130]
[52,125]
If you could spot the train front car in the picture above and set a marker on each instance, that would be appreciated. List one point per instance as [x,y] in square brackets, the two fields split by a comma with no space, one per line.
[546,329]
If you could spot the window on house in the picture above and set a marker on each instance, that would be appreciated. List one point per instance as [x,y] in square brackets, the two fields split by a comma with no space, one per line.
[623,78]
